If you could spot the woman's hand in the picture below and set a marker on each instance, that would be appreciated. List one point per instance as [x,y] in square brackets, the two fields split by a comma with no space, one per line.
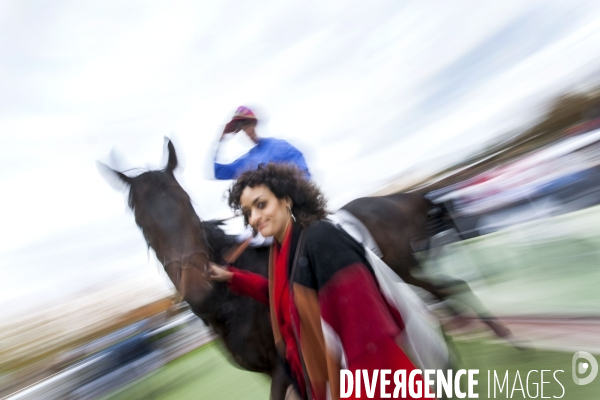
[219,273]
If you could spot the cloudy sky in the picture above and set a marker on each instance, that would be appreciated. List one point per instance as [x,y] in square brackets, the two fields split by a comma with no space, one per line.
[370,91]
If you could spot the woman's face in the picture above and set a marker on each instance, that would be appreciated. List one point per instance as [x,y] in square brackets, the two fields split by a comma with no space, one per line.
[265,213]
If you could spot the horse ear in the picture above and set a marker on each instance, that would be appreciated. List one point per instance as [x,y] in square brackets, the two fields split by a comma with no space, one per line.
[172,161]
[110,174]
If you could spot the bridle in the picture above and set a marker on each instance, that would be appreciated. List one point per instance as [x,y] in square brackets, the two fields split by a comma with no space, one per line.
[184,263]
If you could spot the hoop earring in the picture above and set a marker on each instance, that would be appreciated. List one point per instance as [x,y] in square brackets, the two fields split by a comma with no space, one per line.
[291,213]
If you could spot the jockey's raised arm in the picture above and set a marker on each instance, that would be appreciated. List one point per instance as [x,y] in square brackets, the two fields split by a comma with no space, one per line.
[266,150]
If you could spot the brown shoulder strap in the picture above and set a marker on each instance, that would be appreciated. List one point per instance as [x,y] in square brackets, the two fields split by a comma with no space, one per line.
[296,328]
[295,262]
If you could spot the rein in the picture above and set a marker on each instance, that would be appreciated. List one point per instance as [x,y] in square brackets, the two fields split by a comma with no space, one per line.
[184,264]
[234,254]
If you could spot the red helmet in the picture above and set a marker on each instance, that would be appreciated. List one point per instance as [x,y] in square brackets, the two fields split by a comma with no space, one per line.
[242,113]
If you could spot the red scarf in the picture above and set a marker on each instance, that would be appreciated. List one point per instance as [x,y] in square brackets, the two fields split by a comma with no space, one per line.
[284,305]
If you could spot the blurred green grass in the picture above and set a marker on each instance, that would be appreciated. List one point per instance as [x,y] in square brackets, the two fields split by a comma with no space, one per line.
[546,267]
[205,374]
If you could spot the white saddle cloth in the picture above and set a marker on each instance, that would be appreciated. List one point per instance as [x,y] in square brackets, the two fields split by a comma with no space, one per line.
[257,241]
[356,229]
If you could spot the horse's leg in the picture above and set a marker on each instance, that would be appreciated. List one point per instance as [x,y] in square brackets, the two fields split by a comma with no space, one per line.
[429,287]
[404,263]
[453,288]
[279,383]
[461,291]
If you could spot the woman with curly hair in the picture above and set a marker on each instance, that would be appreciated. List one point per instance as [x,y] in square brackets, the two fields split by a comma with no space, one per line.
[327,310]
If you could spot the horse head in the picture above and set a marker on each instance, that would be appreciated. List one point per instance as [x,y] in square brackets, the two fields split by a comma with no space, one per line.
[164,213]
[184,245]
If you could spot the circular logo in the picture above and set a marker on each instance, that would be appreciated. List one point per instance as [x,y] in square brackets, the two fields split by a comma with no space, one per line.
[581,367]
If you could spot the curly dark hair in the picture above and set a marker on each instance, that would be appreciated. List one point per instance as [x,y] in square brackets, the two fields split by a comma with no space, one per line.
[284,180]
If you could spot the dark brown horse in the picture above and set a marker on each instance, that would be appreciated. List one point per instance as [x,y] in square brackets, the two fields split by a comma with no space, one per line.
[185,245]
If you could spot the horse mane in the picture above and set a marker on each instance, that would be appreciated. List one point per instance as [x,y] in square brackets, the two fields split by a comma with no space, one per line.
[218,240]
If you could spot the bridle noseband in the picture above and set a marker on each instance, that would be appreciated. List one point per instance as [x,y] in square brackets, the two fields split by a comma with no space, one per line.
[184,263]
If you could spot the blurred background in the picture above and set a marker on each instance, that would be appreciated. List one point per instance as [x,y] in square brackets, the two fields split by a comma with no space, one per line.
[493,110]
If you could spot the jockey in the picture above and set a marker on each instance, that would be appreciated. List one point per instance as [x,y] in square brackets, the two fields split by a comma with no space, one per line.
[266,150]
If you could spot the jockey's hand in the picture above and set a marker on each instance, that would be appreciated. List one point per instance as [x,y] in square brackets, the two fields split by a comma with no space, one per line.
[219,273]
